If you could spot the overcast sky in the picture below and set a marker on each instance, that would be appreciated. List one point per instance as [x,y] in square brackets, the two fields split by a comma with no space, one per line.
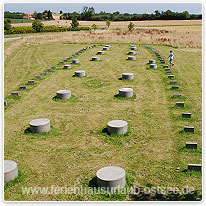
[192,8]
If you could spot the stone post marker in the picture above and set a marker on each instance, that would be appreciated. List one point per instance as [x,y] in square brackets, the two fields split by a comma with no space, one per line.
[111,178]
[153,66]
[117,127]
[67,66]
[152,61]
[131,58]
[100,52]
[127,76]
[75,61]
[22,87]
[170,76]
[95,58]
[39,125]
[180,104]
[194,167]
[131,52]
[186,115]
[80,73]
[177,95]
[10,170]
[31,81]
[63,94]
[175,87]
[105,48]
[191,145]
[189,129]
[126,92]
[15,94]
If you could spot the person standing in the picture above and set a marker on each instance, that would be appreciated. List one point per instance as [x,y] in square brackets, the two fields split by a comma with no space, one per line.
[171,56]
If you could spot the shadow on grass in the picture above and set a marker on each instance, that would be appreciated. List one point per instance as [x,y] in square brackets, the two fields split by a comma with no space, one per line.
[116,96]
[93,182]
[71,99]
[156,196]
[21,176]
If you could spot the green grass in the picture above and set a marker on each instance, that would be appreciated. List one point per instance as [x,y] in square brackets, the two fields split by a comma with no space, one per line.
[76,147]
[17,21]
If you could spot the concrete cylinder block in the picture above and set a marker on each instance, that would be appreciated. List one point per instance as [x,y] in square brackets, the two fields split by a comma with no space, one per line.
[100,52]
[49,70]
[117,127]
[10,170]
[153,66]
[165,66]
[44,73]
[177,95]
[194,167]
[127,76]
[152,61]
[186,115]
[167,69]
[131,52]
[53,67]
[80,73]
[131,58]
[61,62]
[191,145]
[67,66]
[180,104]
[95,58]
[5,103]
[39,125]
[63,94]
[189,129]
[126,92]
[22,87]
[75,61]
[111,178]
[168,72]
[106,48]
[15,94]
[31,81]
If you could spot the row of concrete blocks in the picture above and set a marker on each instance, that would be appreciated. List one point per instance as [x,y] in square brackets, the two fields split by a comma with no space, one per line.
[191,145]
[77,53]
[67,66]
[110,178]
[157,54]
[80,73]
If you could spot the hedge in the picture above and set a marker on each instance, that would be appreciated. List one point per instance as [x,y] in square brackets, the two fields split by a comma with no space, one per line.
[29,29]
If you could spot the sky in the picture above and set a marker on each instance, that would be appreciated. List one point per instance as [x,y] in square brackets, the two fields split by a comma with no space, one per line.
[192,8]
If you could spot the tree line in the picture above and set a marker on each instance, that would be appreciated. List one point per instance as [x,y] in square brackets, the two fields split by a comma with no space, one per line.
[88,13]
[45,15]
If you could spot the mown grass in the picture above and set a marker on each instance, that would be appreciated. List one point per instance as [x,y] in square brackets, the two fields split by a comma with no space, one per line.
[76,147]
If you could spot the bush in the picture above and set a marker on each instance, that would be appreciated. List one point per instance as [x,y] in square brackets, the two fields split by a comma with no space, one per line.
[20,30]
[37,26]
[74,23]
[7,24]
[29,29]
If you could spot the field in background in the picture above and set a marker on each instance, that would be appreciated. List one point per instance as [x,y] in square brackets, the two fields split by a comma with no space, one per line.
[177,33]
[152,154]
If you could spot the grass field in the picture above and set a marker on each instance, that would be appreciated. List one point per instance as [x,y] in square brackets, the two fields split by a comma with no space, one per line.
[19,21]
[153,153]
